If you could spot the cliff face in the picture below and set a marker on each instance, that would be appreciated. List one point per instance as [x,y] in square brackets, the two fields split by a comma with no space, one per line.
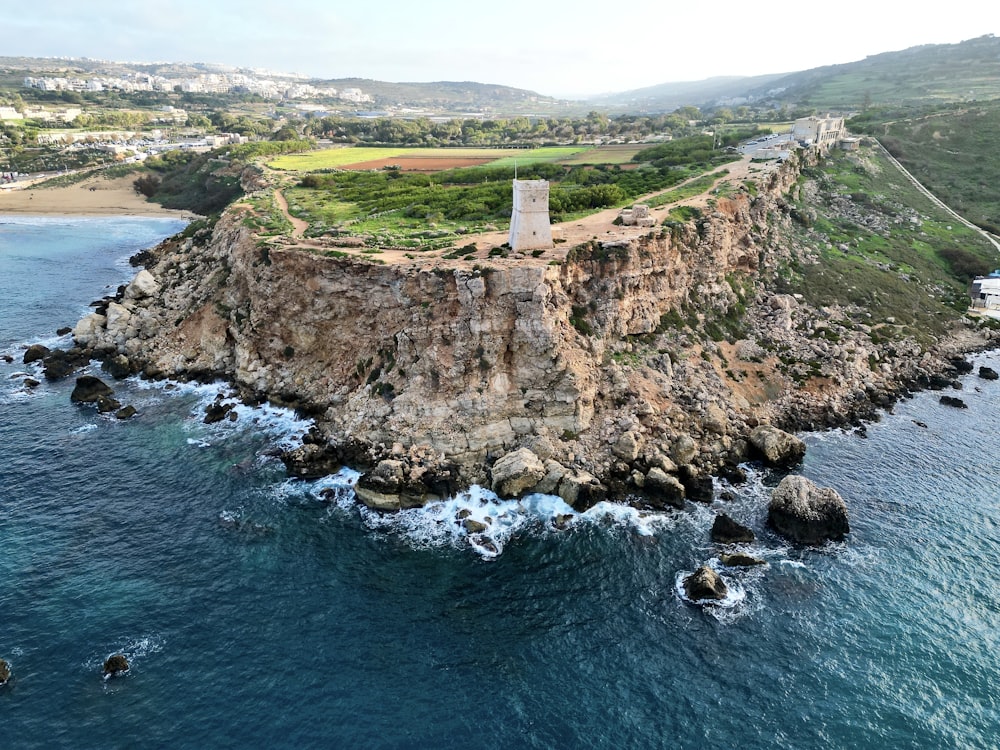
[577,361]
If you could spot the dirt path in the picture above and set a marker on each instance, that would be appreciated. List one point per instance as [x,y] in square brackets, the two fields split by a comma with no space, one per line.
[299,226]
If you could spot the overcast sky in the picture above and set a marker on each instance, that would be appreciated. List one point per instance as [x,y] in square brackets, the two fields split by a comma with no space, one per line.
[554,47]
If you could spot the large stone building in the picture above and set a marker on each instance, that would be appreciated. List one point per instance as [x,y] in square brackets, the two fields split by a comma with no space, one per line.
[530,228]
[819,131]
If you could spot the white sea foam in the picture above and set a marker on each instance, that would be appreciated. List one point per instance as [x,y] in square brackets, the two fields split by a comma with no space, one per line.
[82,429]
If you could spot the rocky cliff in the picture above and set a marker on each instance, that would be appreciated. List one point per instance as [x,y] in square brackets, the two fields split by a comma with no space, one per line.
[639,367]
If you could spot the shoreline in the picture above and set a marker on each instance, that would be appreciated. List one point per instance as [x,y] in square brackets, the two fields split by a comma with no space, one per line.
[95,196]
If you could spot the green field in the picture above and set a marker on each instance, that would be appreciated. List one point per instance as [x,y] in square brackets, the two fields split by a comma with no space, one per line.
[334,158]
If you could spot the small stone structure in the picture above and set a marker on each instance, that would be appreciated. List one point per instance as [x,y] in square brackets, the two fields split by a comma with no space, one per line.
[530,228]
[637,216]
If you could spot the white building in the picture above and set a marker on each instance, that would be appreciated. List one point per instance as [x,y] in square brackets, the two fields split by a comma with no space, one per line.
[530,228]
[986,291]
[819,131]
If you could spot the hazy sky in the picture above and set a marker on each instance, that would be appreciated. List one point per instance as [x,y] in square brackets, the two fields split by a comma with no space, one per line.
[554,47]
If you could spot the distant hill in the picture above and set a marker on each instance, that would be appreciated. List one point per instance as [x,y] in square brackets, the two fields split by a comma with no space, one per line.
[911,78]
[916,77]
[450,95]
[666,97]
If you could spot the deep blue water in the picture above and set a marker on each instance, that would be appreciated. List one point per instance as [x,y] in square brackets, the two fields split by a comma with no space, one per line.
[256,615]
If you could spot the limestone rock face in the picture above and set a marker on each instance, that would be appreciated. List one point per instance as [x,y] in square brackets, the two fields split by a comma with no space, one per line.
[87,331]
[705,584]
[806,513]
[517,472]
[778,447]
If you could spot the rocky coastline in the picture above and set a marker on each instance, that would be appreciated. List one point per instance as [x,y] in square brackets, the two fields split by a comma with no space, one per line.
[598,377]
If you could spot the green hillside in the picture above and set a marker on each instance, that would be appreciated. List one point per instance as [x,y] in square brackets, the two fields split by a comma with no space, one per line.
[917,77]
[952,151]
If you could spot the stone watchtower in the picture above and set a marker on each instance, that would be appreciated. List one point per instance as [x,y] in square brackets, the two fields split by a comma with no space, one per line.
[529,221]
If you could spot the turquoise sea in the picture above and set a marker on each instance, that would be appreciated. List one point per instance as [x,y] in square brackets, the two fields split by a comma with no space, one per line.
[262,612]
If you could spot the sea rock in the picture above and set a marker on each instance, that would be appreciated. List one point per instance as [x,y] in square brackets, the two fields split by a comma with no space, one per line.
[740,560]
[663,489]
[126,412]
[35,353]
[64,330]
[581,490]
[217,411]
[90,390]
[953,401]
[4,672]
[778,447]
[59,364]
[727,531]
[517,472]
[807,513]
[988,373]
[312,461]
[106,404]
[472,526]
[117,366]
[697,487]
[115,666]
[705,584]
[31,383]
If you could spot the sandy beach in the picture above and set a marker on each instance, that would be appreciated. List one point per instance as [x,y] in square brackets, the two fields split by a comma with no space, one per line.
[95,196]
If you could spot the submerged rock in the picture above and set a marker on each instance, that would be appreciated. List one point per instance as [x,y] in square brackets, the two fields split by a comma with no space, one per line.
[777,447]
[115,666]
[727,531]
[705,584]
[807,513]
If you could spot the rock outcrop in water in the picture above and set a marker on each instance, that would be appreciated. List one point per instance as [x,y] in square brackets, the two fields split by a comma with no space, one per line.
[705,585]
[115,666]
[598,365]
[807,513]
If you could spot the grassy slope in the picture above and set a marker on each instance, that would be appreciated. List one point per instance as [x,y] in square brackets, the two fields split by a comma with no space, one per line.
[953,152]
[917,77]
[883,247]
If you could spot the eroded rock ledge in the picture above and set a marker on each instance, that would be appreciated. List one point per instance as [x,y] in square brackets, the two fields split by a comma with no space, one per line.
[570,378]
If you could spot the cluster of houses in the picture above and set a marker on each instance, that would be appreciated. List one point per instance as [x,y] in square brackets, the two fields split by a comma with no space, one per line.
[205,83]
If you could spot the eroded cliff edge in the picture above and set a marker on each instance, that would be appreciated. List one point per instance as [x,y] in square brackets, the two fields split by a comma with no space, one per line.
[606,367]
